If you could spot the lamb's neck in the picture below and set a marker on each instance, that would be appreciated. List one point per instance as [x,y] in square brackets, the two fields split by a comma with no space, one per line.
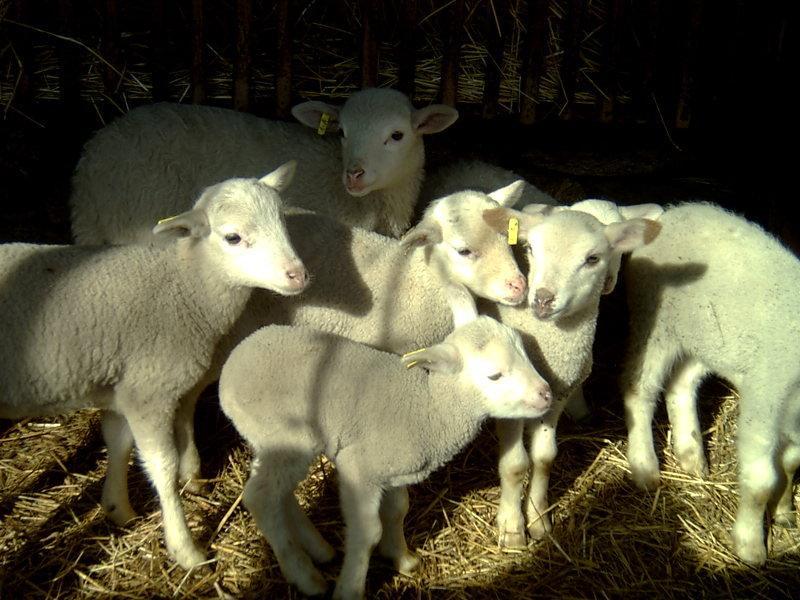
[449,418]
[399,201]
[213,302]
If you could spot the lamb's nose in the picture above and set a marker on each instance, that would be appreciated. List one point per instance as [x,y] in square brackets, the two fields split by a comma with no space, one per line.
[353,175]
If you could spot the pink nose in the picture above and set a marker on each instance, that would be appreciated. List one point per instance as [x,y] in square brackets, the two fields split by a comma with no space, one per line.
[353,175]
[517,285]
[543,302]
[297,276]
[543,398]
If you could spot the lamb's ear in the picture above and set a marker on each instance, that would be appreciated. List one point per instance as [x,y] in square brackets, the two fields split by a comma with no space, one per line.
[542,209]
[281,177]
[442,358]
[641,211]
[461,303]
[631,234]
[426,232]
[433,118]
[510,194]
[192,223]
[497,219]
[310,115]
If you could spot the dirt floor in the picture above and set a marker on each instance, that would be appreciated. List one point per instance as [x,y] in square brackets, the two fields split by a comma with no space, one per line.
[610,539]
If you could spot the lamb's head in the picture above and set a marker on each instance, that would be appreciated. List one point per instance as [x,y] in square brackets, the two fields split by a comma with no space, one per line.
[381,135]
[462,248]
[487,356]
[238,225]
[606,212]
[569,255]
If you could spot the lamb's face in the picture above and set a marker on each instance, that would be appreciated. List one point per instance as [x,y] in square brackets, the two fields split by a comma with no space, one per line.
[471,252]
[495,363]
[248,237]
[381,137]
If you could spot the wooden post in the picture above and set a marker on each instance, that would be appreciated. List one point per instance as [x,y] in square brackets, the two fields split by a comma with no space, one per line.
[109,48]
[408,49]
[243,60]
[572,42]
[158,53]
[198,74]
[454,27]
[497,12]
[70,59]
[369,44]
[612,54]
[283,76]
[23,94]
[689,64]
[534,52]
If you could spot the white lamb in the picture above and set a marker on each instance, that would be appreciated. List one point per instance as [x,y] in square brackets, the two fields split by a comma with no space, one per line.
[476,175]
[131,329]
[716,294]
[382,292]
[385,427]
[569,253]
[155,159]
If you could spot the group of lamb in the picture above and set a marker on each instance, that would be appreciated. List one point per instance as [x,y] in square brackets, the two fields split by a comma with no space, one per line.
[294,292]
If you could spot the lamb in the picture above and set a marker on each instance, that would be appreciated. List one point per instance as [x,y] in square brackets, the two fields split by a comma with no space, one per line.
[382,292]
[569,253]
[131,329]
[383,426]
[172,151]
[716,294]
[476,175]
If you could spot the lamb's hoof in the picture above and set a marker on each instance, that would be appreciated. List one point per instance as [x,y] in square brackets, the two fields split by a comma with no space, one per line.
[315,585]
[119,514]
[512,540]
[322,553]
[188,557]
[407,563]
[646,479]
[195,486]
[754,554]
[539,528]
[692,463]
[787,520]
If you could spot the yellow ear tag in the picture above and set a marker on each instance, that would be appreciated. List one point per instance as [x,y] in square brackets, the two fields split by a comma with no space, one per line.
[413,352]
[513,231]
[166,220]
[323,124]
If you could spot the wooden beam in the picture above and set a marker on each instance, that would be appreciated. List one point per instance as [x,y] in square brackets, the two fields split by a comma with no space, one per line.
[369,44]
[454,27]
[70,79]
[283,74]
[572,43]
[198,70]
[243,61]
[159,62]
[534,52]
[497,19]
[689,64]
[407,60]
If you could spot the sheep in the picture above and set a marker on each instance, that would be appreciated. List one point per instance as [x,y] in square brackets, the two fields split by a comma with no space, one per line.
[131,329]
[569,253]
[384,427]
[170,151]
[717,294]
[475,175]
[378,291]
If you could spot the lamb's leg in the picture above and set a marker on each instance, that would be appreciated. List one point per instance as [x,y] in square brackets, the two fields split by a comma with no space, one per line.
[513,466]
[189,469]
[268,493]
[758,477]
[681,399]
[394,507]
[154,436]
[119,442]
[641,383]
[543,450]
[309,536]
[784,511]
[361,512]
[576,408]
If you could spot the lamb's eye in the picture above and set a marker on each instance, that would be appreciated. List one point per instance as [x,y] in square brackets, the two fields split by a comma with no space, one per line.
[592,259]
[397,136]
[464,252]
[495,377]
[233,238]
